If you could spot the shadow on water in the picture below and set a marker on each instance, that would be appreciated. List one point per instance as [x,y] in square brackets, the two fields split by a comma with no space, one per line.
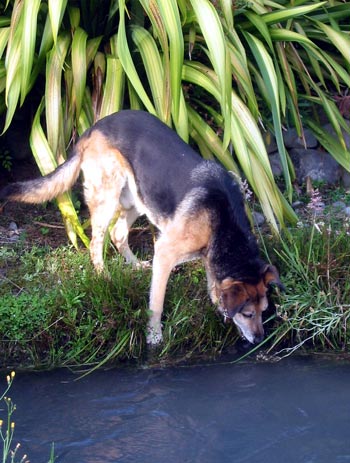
[297,410]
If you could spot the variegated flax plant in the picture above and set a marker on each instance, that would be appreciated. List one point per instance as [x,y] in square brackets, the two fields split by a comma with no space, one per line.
[222,73]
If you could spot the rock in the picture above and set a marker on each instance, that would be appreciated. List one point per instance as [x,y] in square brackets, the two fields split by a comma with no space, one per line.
[292,140]
[339,205]
[275,163]
[329,129]
[259,219]
[316,164]
[13,227]
[270,142]
[347,211]
[345,178]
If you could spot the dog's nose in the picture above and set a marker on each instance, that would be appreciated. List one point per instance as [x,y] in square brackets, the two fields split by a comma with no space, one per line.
[258,338]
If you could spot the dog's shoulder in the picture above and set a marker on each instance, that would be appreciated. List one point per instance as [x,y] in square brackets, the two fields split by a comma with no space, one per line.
[220,192]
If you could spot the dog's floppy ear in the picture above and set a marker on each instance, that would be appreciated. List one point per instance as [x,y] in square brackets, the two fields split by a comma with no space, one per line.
[233,295]
[271,277]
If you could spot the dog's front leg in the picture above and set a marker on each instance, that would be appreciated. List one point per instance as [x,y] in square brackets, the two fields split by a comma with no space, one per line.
[210,281]
[163,263]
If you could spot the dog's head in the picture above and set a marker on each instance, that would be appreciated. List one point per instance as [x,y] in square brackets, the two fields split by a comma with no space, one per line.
[244,303]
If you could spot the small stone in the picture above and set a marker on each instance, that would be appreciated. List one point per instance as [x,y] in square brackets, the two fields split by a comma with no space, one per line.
[347,211]
[292,140]
[258,218]
[297,204]
[275,163]
[13,227]
[340,205]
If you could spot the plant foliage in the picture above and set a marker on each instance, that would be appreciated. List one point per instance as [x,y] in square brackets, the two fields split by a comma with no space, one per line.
[220,72]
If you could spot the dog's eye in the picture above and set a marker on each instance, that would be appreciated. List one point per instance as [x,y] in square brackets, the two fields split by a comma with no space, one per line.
[247,315]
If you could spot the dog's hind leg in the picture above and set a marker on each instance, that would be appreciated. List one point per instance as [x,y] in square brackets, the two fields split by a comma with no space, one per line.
[120,233]
[101,216]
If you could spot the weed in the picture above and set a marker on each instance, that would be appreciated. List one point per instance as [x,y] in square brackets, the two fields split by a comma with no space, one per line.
[7,429]
[315,310]
[6,160]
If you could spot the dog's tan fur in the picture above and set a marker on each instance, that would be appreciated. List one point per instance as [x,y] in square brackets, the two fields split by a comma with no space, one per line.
[113,186]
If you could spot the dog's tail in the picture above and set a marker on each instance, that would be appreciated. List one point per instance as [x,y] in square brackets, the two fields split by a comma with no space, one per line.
[48,187]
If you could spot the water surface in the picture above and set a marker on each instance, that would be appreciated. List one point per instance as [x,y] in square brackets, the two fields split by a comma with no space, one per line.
[293,411]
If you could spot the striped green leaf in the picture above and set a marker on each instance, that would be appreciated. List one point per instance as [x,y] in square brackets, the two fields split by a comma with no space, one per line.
[211,142]
[28,38]
[127,62]
[46,162]
[170,17]
[154,69]
[4,36]
[79,56]
[53,99]
[339,39]
[213,34]
[113,90]
[56,10]
[269,76]
[291,13]
[334,146]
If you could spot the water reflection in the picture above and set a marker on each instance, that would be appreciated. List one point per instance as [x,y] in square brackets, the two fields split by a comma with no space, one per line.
[293,411]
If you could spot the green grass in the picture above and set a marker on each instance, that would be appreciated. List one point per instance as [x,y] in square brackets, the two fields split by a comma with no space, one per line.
[55,310]
[314,312]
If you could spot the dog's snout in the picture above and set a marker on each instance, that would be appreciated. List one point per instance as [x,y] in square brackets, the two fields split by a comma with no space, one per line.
[258,338]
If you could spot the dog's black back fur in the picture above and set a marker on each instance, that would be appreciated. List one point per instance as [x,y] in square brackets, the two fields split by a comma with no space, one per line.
[161,154]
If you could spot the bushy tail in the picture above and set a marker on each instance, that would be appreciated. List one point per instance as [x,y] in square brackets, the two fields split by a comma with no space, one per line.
[45,188]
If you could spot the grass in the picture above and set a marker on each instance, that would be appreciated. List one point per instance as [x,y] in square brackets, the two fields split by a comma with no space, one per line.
[55,311]
[315,310]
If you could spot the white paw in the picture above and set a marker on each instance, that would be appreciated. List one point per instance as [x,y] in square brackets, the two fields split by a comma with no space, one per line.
[142,264]
[154,335]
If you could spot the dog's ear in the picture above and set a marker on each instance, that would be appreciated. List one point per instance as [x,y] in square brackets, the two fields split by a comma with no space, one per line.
[271,277]
[233,295]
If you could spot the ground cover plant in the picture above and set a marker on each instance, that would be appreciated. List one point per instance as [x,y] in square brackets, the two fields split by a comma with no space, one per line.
[56,311]
[315,262]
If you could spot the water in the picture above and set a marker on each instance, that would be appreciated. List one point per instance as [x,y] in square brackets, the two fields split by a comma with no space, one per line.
[288,412]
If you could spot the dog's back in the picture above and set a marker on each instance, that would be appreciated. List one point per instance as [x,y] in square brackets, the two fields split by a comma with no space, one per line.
[162,162]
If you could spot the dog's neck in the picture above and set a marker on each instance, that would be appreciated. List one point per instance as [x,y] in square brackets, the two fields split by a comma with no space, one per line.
[234,255]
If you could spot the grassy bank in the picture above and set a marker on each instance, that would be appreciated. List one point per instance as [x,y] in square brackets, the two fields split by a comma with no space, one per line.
[55,311]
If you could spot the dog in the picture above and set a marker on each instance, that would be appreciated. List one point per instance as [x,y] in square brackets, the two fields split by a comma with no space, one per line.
[133,164]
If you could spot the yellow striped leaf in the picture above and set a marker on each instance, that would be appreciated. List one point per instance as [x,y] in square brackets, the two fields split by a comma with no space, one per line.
[113,90]
[28,38]
[53,101]
[56,10]
[154,69]
[79,67]
[211,29]
[171,19]
[127,62]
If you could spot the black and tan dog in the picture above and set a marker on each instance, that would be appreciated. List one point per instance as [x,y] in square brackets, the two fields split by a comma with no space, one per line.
[134,164]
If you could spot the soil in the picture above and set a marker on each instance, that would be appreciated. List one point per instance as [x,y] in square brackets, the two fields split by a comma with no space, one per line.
[42,225]
[39,225]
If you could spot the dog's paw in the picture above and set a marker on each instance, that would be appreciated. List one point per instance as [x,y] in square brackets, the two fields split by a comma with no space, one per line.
[154,336]
[142,264]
